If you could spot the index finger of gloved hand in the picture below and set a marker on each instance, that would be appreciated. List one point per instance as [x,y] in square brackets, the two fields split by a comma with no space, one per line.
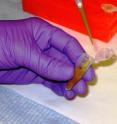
[89,75]
[67,44]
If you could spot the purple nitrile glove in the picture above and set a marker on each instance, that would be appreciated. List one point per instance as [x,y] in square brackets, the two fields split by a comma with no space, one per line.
[33,51]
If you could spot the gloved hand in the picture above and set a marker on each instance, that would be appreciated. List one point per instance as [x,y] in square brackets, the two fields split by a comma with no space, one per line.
[33,51]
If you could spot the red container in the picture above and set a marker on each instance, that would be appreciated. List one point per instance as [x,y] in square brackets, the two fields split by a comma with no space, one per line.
[65,12]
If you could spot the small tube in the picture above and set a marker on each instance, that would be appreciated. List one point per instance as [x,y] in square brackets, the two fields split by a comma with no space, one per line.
[84,62]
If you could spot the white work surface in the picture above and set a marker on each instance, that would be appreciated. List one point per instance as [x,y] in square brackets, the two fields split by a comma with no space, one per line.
[98,107]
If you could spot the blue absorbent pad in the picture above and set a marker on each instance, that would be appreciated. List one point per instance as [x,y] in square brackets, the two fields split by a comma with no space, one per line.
[16,109]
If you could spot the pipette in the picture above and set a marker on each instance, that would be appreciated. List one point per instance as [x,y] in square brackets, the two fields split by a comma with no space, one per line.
[82,12]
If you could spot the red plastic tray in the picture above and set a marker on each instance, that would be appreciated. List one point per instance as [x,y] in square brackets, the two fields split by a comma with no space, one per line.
[65,12]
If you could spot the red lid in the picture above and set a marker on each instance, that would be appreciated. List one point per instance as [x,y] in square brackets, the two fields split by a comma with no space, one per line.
[65,12]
